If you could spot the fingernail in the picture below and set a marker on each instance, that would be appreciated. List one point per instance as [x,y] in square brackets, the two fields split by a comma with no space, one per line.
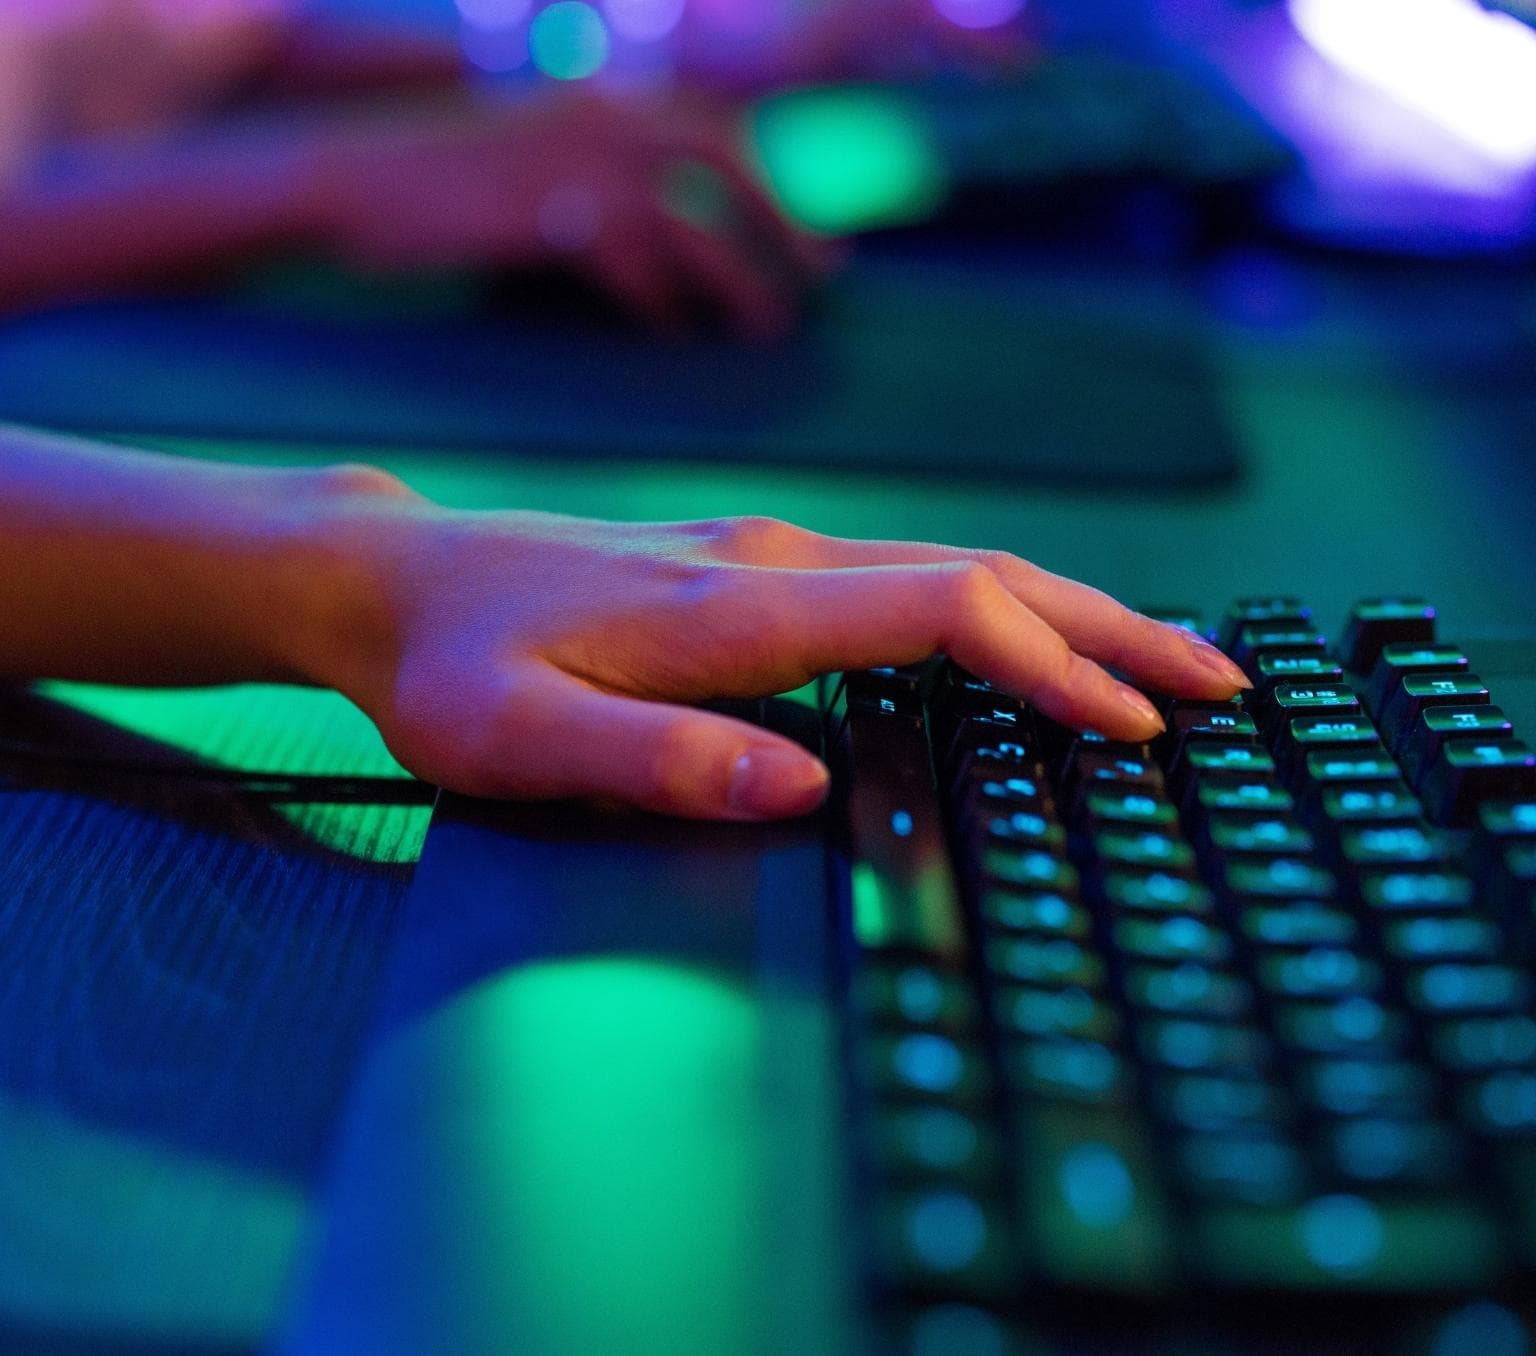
[1144,709]
[773,783]
[1208,656]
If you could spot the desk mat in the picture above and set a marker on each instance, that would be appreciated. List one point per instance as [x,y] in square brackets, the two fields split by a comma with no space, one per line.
[955,366]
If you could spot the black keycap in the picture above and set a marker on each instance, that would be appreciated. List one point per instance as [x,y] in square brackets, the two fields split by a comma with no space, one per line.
[1025,827]
[1248,835]
[926,1064]
[1201,758]
[1156,892]
[1378,622]
[945,1240]
[1251,1169]
[1323,734]
[1193,1045]
[913,1142]
[1157,851]
[1397,660]
[1294,666]
[1046,960]
[1420,746]
[1501,1104]
[1134,808]
[1079,1234]
[1508,819]
[889,690]
[1267,880]
[1481,1044]
[1367,1087]
[1188,989]
[904,895]
[1364,767]
[1410,1241]
[1032,1010]
[1297,924]
[1261,610]
[1176,938]
[1085,1072]
[1443,937]
[1405,892]
[1216,1103]
[1355,1026]
[1393,1151]
[1452,988]
[1404,846]
[1238,795]
[1418,692]
[1318,972]
[1381,803]
[1470,771]
[1033,867]
[1288,700]
[914,994]
[1265,637]
[1223,723]
[1034,911]
[986,794]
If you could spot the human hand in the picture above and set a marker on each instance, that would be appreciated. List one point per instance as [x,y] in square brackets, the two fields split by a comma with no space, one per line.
[574,180]
[532,655]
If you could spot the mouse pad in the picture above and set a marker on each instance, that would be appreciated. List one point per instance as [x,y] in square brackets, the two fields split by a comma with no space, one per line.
[907,362]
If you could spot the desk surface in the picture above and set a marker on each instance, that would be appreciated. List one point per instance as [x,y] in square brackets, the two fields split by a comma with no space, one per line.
[190,972]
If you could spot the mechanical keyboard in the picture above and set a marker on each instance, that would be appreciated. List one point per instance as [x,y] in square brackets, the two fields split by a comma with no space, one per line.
[1244,1014]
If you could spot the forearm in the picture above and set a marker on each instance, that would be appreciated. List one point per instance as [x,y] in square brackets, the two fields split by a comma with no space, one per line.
[122,566]
[151,215]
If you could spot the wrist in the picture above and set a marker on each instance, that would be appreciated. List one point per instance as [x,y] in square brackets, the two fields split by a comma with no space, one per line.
[338,627]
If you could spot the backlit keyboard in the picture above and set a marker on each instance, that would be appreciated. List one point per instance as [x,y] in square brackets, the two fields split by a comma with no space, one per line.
[1246,1010]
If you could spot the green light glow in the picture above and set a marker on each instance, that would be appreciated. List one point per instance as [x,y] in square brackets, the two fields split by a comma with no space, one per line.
[255,727]
[580,1129]
[843,160]
[569,40]
[108,1235]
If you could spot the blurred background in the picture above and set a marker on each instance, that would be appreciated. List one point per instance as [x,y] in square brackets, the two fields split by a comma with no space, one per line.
[1188,298]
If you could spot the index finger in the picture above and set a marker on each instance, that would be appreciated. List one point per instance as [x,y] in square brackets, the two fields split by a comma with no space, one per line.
[1156,655]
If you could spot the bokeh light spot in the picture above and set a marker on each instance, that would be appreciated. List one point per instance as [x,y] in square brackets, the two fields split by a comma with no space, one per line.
[952,1328]
[643,20]
[1097,1185]
[569,40]
[1342,1233]
[978,13]
[946,1230]
[1482,1329]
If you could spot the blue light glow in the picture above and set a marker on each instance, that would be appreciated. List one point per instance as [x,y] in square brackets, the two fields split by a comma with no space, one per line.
[1482,1329]
[1097,1185]
[1342,1233]
[946,1230]
[928,1062]
[952,1328]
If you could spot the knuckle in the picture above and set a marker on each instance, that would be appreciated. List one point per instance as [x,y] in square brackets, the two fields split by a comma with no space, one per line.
[971,585]
[357,478]
[754,537]
[671,773]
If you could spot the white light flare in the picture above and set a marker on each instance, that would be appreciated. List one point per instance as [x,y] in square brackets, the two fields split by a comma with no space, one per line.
[1467,69]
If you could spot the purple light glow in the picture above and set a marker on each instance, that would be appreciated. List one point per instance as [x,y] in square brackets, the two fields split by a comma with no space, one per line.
[644,20]
[978,13]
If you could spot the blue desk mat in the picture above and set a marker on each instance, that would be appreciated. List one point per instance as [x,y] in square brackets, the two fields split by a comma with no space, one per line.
[967,364]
